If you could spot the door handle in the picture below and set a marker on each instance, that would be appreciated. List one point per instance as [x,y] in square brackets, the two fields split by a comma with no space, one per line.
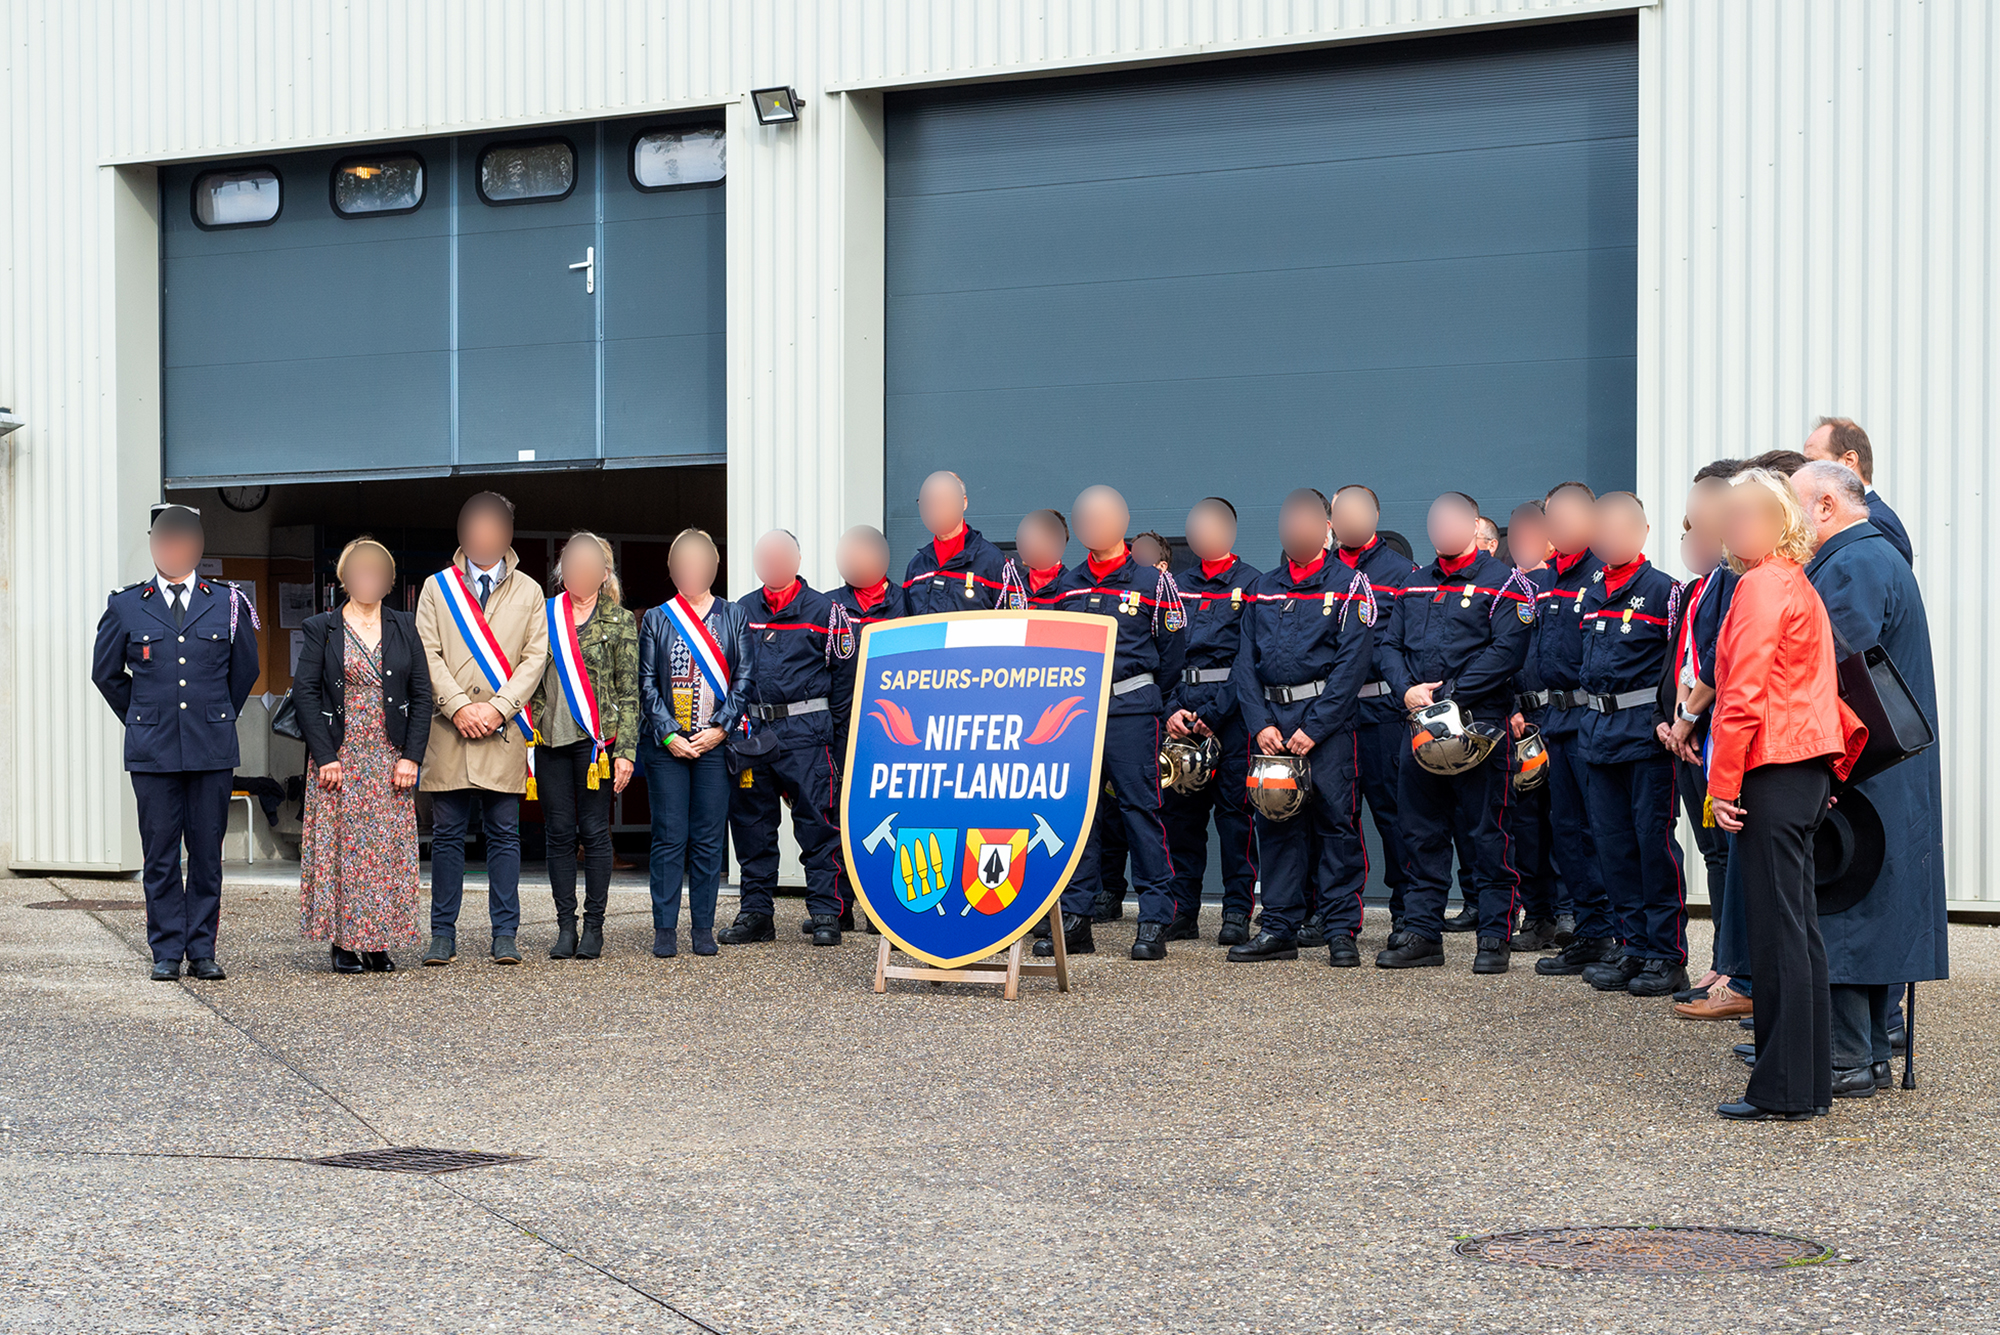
[589,266]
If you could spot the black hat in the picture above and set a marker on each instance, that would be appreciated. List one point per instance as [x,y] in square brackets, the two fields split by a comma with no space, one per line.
[1848,849]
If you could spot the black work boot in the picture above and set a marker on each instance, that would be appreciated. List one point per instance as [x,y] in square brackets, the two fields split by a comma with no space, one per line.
[1076,937]
[1579,955]
[1041,931]
[1413,953]
[1535,934]
[1151,942]
[747,928]
[1657,978]
[1235,929]
[1342,954]
[1110,906]
[1465,920]
[826,930]
[1312,932]
[1613,975]
[565,946]
[1565,929]
[1264,946]
[1186,925]
[1493,955]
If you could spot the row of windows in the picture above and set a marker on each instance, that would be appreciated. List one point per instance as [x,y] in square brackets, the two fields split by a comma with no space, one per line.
[522,172]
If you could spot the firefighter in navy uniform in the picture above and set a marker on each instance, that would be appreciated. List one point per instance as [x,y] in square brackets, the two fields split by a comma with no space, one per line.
[1152,644]
[1202,705]
[1037,564]
[1628,614]
[1459,636]
[1381,734]
[801,690]
[957,570]
[1530,830]
[1307,645]
[175,659]
[866,597]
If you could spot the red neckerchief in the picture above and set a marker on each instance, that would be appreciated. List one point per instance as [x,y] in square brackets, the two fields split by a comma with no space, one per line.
[1039,579]
[870,599]
[1617,577]
[1302,573]
[778,601]
[1098,572]
[1451,565]
[1210,569]
[1567,562]
[1351,556]
[946,548]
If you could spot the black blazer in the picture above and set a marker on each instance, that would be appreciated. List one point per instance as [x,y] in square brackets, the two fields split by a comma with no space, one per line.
[319,689]
[656,642]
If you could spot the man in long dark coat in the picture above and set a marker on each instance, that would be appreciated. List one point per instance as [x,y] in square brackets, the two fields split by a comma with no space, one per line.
[1896,934]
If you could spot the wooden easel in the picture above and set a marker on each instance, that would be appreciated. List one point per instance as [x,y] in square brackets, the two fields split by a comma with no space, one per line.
[985,970]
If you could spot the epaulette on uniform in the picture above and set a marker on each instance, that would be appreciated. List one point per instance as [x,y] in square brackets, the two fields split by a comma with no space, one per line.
[127,588]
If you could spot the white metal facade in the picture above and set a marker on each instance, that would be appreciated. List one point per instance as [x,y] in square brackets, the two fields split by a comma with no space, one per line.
[1817,221]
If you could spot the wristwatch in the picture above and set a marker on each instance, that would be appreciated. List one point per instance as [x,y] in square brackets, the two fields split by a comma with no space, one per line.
[1681,712]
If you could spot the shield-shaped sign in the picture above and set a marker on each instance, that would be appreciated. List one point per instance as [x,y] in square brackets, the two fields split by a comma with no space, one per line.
[981,732]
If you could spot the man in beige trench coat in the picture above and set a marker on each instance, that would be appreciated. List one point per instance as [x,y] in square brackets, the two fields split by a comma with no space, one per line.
[477,751]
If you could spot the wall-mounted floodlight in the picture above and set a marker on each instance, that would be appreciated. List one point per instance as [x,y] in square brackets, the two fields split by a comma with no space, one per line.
[775,106]
[9,423]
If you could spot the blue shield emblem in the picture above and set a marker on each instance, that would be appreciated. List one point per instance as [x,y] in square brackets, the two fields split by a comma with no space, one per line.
[972,773]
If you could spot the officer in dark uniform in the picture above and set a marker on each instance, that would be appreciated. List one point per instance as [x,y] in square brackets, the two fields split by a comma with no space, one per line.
[957,570]
[1530,830]
[866,597]
[175,659]
[1307,646]
[1627,615]
[1380,733]
[801,690]
[1152,643]
[1460,633]
[1592,933]
[1039,542]
[1203,704]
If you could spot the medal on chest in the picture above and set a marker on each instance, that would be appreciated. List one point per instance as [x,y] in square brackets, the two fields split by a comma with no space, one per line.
[1465,599]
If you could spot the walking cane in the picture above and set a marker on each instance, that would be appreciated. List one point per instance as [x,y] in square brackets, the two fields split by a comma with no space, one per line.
[1910,1037]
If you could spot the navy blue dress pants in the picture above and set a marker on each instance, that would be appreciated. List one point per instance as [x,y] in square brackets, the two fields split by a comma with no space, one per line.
[1575,847]
[1632,806]
[1226,801]
[190,805]
[1431,806]
[1382,749]
[1132,770]
[1316,862]
[500,818]
[1534,841]
[803,777]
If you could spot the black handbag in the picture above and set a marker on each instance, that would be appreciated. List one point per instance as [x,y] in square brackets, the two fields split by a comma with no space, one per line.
[285,719]
[1876,692]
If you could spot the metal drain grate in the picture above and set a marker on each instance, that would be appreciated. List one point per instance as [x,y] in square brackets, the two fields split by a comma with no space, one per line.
[90,905]
[1641,1249]
[417,1159]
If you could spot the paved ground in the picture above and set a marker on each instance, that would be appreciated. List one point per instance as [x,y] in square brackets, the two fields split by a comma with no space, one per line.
[757,1142]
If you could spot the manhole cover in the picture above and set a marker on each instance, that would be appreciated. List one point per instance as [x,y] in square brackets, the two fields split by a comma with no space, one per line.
[90,905]
[1639,1248]
[417,1159]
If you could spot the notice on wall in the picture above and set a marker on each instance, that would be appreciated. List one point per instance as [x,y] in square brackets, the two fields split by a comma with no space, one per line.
[295,604]
[209,567]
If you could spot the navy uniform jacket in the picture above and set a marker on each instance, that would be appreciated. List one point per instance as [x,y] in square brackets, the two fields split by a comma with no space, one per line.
[1132,596]
[1049,593]
[1558,639]
[1890,526]
[1529,679]
[968,582]
[892,606]
[1295,631]
[1388,571]
[1465,628]
[1706,600]
[1626,644]
[1215,606]
[1897,933]
[792,663]
[177,692]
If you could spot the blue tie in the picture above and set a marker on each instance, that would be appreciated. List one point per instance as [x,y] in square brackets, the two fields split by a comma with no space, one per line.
[485,590]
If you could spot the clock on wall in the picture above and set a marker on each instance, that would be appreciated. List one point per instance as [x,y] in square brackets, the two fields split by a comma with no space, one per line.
[244,499]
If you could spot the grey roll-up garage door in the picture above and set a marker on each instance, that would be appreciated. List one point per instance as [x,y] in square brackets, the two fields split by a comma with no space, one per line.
[1411,265]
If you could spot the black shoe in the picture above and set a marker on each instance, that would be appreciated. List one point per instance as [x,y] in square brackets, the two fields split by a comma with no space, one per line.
[1899,1039]
[868,926]
[1657,978]
[1691,994]
[1341,954]
[1535,934]
[667,943]
[1041,929]
[704,940]
[590,944]
[377,961]
[847,919]
[1465,920]
[344,961]
[747,928]
[166,971]
[1151,941]
[1744,1111]
[1880,1070]
[565,946]
[806,926]
[1235,929]
[1110,907]
[1312,932]
[1747,1051]
[1264,946]
[1413,953]
[1565,929]
[826,930]
[1747,1022]
[1613,975]
[1578,955]
[1185,927]
[206,970]
[1076,937]
[1854,1082]
[443,950]
[1493,955]
[1398,937]
[505,951]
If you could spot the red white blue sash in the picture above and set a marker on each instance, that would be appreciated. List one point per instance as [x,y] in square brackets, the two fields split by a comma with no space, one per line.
[707,654]
[571,672]
[479,639]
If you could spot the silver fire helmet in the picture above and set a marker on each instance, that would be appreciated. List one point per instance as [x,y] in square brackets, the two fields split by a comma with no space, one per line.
[1445,743]
[1279,784]
[1188,763]
[1531,760]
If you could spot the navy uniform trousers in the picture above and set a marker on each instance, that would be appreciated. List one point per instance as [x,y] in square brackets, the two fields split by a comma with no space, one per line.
[1382,748]
[1431,806]
[1533,835]
[803,777]
[1132,771]
[1575,846]
[1316,862]
[1225,800]
[1632,808]
[182,914]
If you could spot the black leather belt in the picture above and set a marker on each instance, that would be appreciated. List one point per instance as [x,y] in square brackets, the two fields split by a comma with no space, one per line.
[1372,690]
[1612,704]
[1569,699]
[1285,695]
[769,713]
[1204,676]
[1138,681]
[1528,700]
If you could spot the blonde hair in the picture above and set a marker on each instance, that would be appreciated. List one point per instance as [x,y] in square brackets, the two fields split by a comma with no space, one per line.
[1796,542]
[612,589]
[347,554]
[699,535]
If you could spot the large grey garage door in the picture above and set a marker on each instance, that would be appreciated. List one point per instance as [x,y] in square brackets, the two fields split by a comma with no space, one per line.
[1411,265]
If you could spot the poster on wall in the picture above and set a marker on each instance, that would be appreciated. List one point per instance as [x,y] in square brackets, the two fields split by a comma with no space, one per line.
[295,604]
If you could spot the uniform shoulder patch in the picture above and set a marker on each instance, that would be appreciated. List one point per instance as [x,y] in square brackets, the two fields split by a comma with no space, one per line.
[1526,611]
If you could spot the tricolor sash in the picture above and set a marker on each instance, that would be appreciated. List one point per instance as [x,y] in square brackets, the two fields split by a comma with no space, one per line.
[707,654]
[485,649]
[567,651]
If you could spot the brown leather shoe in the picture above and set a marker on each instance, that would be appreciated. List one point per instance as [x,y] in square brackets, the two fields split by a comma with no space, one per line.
[1722,1003]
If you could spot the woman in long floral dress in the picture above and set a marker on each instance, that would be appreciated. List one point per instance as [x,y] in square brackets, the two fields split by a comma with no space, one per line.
[364,704]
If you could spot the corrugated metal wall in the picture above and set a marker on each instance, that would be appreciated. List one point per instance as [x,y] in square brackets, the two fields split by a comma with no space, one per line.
[1816,234]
